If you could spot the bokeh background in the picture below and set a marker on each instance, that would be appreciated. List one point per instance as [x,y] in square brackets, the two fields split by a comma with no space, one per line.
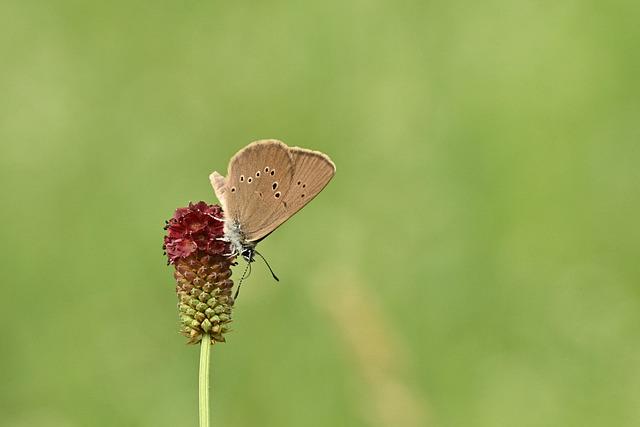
[474,262]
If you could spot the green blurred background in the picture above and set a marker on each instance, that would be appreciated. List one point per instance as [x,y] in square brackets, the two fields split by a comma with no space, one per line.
[474,262]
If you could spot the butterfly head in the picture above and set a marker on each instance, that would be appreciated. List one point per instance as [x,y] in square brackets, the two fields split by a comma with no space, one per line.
[248,253]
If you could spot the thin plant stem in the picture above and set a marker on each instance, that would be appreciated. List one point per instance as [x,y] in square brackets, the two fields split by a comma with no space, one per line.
[203,383]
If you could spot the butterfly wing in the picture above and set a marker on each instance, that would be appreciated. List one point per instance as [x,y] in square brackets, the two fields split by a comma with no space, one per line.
[312,172]
[267,183]
[252,193]
[219,184]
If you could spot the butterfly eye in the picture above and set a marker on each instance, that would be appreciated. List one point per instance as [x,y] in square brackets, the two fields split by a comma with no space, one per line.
[273,172]
[298,182]
[241,178]
[274,185]
[277,195]
[266,169]
[249,180]
[258,174]
[304,185]
[233,189]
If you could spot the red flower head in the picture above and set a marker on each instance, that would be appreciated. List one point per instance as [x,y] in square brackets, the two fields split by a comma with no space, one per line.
[198,227]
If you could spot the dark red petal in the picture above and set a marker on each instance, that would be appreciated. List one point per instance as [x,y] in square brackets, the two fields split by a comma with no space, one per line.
[195,227]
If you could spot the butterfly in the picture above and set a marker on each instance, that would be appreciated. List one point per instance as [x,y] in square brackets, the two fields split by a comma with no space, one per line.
[267,182]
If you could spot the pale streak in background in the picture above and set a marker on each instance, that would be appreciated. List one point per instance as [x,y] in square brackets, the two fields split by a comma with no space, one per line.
[378,353]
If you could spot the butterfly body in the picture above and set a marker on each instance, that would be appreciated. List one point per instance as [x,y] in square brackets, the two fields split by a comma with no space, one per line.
[267,182]
[239,244]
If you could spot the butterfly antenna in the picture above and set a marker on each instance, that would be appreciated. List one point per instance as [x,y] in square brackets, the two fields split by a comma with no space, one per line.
[244,276]
[268,266]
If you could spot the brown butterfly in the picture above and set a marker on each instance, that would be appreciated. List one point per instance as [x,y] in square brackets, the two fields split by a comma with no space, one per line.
[267,182]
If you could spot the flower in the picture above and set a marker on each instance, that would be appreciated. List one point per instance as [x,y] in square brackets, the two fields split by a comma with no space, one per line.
[202,270]
[199,227]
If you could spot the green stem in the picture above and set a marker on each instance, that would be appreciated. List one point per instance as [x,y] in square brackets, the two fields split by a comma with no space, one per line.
[205,349]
